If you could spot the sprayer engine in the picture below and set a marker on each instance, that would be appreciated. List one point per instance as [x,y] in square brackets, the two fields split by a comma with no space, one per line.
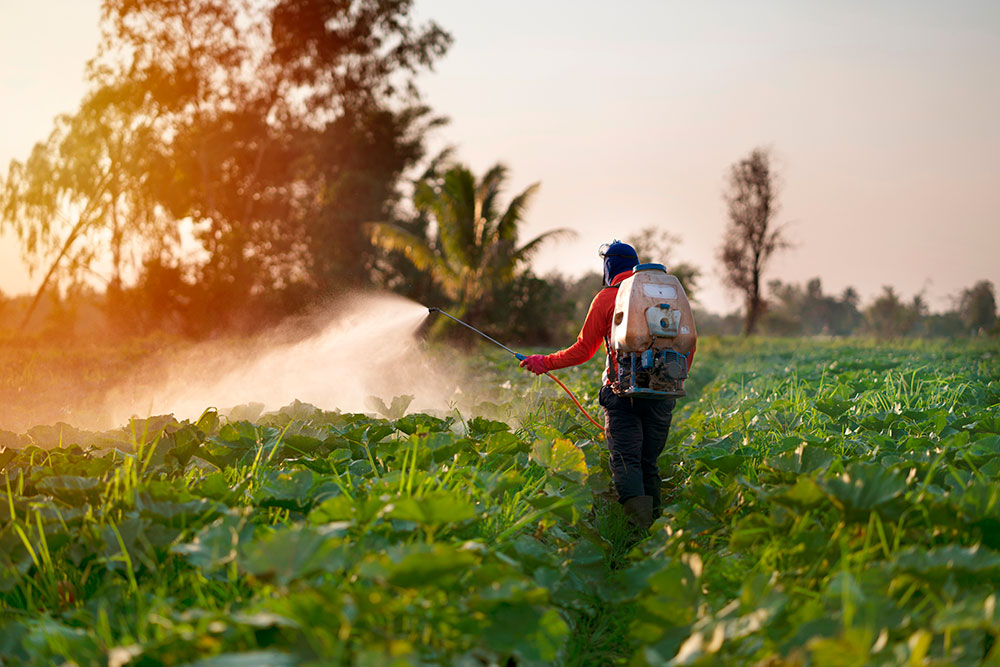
[651,373]
[652,334]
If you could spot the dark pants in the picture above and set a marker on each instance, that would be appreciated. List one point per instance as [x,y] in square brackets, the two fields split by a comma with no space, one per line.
[636,429]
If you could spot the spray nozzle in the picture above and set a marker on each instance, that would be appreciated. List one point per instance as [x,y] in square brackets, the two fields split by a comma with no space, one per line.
[433,310]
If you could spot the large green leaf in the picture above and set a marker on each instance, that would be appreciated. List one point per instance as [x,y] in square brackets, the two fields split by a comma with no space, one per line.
[208,423]
[833,407]
[718,446]
[864,488]
[241,443]
[216,486]
[432,509]
[431,565]
[247,412]
[806,492]
[421,423]
[480,426]
[7,454]
[182,514]
[57,435]
[441,446]
[361,468]
[182,444]
[283,488]
[976,611]
[288,554]
[505,443]
[394,411]
[344,508]
[300,443]
[805,459]
[726,463]
[51,642]
[533,634]
[561,458]
[338,508]
[939,562]
[69,488]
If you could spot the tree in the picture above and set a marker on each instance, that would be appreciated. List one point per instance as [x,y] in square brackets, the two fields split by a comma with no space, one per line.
[945,325]
[353,59]
[889,317]
[657,245]
[276,128]
[286,132]
[977,307]
[751,237]
[531,310]
[81,191]
[850,317]
[463,236]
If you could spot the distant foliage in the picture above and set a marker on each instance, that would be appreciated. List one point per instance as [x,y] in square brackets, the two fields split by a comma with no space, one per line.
[889,317]
[655,245]
[579,292]
[794,310]
[531,310]
[978,307]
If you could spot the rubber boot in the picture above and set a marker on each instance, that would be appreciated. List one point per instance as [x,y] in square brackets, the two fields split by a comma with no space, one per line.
[639,510]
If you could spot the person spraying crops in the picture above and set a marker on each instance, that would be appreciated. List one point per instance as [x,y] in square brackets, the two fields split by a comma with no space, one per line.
[643,318]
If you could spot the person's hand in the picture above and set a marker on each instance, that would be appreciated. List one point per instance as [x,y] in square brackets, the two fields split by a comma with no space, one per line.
[535,363]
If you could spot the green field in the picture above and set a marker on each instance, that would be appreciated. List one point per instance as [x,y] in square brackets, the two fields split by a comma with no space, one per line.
[828,503]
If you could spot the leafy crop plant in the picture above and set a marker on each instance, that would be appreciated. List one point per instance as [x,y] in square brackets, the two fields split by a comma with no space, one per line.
[827,503]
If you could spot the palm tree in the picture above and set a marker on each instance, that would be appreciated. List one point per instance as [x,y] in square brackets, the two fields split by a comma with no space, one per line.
[470,246]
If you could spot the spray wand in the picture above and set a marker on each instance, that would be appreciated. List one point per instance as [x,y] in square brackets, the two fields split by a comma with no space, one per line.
[521,357]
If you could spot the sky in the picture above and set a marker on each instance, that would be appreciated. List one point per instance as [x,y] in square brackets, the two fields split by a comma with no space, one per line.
[881,119]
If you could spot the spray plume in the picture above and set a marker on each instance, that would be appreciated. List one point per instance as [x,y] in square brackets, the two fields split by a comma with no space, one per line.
[336,360]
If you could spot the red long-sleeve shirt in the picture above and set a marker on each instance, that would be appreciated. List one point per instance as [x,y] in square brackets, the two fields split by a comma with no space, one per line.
[595,331]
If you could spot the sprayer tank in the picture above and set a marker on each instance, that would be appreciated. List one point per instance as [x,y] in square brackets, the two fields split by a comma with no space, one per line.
[652,311]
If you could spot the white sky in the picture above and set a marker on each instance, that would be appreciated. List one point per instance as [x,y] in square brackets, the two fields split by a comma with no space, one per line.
[882,119]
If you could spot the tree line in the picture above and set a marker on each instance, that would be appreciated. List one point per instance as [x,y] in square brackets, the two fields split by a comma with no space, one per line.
[805,310]
[752,237]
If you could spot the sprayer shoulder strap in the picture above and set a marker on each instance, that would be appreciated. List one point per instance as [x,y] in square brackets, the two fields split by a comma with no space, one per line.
[607,335]
[611,361]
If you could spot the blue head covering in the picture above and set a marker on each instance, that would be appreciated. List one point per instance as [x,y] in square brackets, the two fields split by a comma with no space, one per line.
[618,257]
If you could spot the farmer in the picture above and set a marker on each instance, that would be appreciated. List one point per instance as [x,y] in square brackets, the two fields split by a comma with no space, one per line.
[636,428]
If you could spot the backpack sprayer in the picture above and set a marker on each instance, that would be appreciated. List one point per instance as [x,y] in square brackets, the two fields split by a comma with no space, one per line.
[652,335]
[521,357]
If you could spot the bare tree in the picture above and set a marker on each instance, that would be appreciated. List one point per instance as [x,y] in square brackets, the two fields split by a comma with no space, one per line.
[751,237]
